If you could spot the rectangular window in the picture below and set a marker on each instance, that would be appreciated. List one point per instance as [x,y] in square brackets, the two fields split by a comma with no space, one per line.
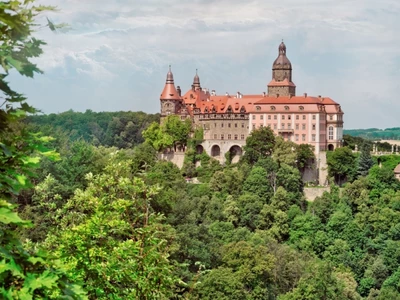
[242,125]
[289,138]
[275,126]
[303,126]
[222,124]
[254,117]
[313,117]
[215,136]
[229,125]
[242,136]
[303,137]
[289,117]
[297,137]
[289,125]
[330,133]
[313,137]
[283,117]
[297,126]
[215,125]
[304,117]
[275,117]
[262,117]
[283,126]
[331,117]
[254,126]
[269,117]
[313,126]
[235,125]
[222,136]
[297,117]
[229,136]
[236,136]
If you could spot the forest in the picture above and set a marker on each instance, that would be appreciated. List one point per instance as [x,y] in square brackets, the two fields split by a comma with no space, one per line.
[87,211]
[375,133]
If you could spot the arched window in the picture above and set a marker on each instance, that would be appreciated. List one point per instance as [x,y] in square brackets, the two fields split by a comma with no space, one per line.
[272,107]
[330,133]
[301,107]
[258,108]
[286,107]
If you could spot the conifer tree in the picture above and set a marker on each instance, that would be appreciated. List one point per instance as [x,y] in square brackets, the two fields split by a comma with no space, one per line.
[365,161]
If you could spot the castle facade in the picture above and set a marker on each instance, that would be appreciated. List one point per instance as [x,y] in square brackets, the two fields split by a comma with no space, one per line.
[227,120]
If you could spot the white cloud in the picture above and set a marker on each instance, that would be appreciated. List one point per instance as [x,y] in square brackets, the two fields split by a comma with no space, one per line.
[345,49]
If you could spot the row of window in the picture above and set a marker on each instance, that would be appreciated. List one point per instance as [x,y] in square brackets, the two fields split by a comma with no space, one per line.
[289,126]
[289,117]
[274,108]
[236,125]
[229,136]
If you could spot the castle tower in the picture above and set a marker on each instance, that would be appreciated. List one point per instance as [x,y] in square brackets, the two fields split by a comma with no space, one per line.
[281,83]
[170,98]
[196,81]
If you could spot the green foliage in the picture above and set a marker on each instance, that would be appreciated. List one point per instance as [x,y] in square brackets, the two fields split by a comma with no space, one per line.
[259,144]
[113,129]
[113,215]
[341,164]
[375,133]
[24,274]
[365,161]
[173,132]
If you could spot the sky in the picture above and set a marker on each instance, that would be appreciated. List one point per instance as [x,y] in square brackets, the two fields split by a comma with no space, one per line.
[116,54]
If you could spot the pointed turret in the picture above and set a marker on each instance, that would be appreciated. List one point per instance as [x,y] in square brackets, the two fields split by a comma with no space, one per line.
[170,98]
[169,92]
[196,81]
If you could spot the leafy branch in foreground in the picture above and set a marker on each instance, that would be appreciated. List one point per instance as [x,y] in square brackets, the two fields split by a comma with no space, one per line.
[24,274]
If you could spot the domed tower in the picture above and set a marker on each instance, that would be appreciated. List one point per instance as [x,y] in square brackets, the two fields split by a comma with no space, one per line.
[170,99]
[281,83]
[196,81]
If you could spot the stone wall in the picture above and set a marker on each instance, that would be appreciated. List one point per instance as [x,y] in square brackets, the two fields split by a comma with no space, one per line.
[175,157]
[312,193]
[322,168]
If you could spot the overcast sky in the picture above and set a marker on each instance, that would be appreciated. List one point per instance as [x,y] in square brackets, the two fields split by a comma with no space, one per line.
[117,53]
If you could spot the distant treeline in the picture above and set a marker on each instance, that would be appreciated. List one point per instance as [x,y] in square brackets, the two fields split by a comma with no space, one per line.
[375,133]
[121,129]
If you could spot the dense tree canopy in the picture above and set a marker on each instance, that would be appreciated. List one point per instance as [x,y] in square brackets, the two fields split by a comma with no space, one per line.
[111,221]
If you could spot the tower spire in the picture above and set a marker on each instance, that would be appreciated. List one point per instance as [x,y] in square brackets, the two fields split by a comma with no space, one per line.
[196,81]
[169,91]
[282,74]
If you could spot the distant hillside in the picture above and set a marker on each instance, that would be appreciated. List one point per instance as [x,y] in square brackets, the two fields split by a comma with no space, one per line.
[121,129]
[375,133]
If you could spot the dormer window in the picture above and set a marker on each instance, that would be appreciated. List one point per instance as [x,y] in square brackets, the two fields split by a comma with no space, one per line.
[242,109]
[286,107]
[273,108]
[258,108]
[301,107]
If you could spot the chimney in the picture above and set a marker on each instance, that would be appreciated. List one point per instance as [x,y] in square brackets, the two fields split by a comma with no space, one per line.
[305,95]
[213,93]
[226,94]
[178,89]
[277,95]
[264,94]
[290,96]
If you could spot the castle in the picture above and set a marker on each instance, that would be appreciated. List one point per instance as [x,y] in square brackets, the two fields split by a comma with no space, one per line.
[227,120]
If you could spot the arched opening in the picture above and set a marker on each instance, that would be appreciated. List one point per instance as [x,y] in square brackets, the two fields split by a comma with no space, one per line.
[199,149]
[331,147]
[235,153]
[215,151]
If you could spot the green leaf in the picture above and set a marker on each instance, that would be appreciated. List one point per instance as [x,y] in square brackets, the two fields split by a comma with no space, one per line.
[7,216]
